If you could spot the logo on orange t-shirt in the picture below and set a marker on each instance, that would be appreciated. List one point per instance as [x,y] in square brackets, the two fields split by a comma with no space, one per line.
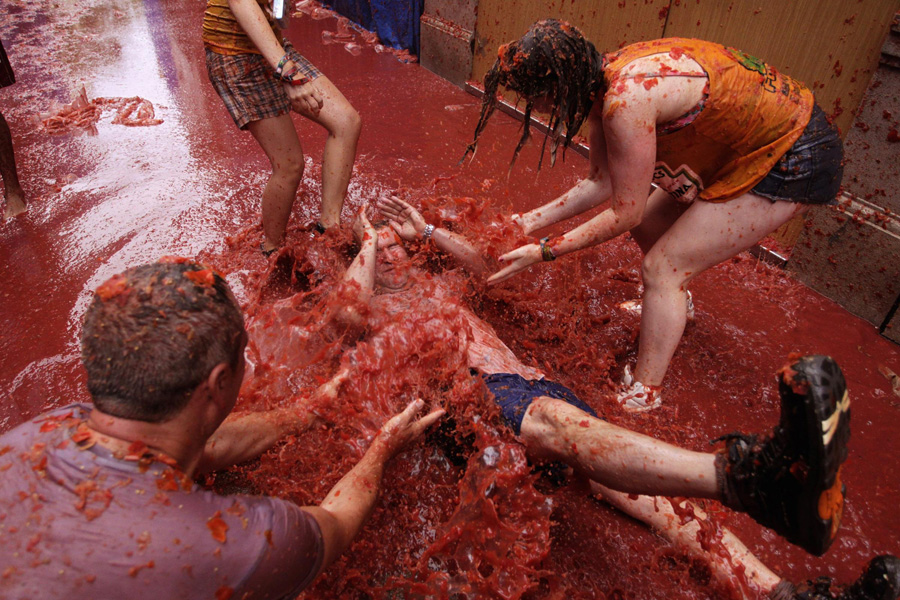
[683,184]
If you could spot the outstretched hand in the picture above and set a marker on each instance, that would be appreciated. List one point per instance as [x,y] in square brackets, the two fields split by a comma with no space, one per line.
[404,219]
[517,260]
[401,429]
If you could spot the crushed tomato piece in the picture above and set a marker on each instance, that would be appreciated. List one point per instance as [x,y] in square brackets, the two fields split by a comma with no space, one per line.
[218,527]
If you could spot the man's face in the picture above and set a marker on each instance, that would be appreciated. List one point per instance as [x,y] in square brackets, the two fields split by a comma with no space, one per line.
[391,262]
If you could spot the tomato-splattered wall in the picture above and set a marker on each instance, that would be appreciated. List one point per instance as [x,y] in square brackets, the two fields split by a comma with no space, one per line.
[831,45]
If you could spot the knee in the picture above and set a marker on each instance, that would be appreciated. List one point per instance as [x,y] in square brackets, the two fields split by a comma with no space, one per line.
[652,269]
[552,413]
[658,271]
[290,166]
[348,124]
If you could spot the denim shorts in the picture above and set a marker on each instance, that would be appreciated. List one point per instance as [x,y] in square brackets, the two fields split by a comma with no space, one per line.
[811,171]
[514,394]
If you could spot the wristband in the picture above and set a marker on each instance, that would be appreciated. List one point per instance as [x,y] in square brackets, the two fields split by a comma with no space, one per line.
[546,250]
[299,81]
[280,66]
[427,233]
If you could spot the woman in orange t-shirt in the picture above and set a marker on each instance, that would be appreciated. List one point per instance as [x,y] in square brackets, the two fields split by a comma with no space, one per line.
[261,78]
[734,147]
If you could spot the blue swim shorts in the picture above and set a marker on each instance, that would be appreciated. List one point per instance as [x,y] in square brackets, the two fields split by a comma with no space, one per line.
[514,394]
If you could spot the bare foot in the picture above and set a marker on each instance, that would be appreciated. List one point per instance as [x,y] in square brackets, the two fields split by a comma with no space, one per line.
[15,205]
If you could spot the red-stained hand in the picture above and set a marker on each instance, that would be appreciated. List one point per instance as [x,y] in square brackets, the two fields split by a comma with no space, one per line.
[405,220]
[517,260]
[402,429]
[306,99]
[522,221]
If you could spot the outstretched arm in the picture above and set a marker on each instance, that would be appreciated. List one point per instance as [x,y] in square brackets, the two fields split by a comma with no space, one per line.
[361,272]
[591,191]
[244,436]
[410,225]
[349,503]
[631,149]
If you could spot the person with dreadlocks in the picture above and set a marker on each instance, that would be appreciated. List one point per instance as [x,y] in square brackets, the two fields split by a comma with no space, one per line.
[734,148]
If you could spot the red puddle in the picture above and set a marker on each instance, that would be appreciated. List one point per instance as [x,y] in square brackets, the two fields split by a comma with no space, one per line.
[477,528]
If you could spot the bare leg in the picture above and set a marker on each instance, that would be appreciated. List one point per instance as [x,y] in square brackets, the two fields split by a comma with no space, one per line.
[15,197]
[279,141]
[660,212]
[633,463]
[705,235]
[613,456]
[731,558]
[343,124]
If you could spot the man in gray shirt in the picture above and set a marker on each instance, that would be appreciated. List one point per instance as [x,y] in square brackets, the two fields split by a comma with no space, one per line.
[100,501]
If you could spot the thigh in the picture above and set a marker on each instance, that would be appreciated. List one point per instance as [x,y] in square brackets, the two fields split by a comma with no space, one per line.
[660,212]
[708,233]
[278,138]
[336,109]
[247,87]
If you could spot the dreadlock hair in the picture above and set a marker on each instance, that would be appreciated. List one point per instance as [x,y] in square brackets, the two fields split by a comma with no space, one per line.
[552,58]
[152,334]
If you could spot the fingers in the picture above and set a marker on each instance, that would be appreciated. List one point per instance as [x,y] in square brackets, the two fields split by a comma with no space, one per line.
[504,274]
[429,420]
[412,408]
[518,219]
[402,203]
[313,104]
[391,205]
[308,100]
[513,255]
[389,211]
[519,259]
[317,98]
[404,421]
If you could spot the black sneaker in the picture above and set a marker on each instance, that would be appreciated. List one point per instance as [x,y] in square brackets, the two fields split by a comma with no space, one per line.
[880,581]
[790,481]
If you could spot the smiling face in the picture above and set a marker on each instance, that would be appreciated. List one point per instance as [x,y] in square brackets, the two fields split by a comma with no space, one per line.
[392,264]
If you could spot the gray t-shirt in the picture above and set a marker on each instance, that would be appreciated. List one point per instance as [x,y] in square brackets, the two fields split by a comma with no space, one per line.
[78,522]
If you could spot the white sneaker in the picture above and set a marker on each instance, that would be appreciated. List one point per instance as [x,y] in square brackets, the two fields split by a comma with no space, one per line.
[637,397]
[690,306]
[635,306]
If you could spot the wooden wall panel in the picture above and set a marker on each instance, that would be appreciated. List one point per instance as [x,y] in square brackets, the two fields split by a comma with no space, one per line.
[609,24]
[831,45]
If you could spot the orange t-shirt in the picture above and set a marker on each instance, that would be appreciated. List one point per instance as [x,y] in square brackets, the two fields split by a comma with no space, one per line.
[222,33]
[750,119]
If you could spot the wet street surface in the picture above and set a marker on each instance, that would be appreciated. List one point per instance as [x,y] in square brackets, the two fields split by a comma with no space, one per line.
[105,199]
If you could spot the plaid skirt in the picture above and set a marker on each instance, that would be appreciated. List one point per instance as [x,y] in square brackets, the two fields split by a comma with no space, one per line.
[248,86]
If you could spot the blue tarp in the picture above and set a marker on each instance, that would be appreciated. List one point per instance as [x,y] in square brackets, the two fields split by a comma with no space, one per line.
[395,21]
